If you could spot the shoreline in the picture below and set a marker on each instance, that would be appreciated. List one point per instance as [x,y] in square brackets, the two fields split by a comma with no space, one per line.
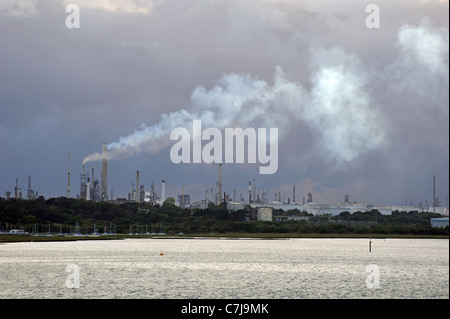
[6,238]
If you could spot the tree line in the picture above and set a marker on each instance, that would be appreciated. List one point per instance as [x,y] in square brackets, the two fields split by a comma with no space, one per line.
[63,214]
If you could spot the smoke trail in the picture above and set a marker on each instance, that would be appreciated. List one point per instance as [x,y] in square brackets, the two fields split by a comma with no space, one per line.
[339,110]
[425,46]
[147,139]
[240,100]
[421,68]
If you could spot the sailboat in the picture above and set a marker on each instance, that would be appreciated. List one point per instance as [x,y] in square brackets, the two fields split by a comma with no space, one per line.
[35,231]
[131,230]
[95,233]
[77,230]
[49,234]
[153,232]
[60,230]
[160,230]
[111,232]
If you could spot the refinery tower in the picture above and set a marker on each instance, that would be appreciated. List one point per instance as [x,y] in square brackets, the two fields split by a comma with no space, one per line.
[90,189]
[104,173]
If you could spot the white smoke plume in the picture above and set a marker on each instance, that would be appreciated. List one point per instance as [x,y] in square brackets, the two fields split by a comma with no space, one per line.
[421,68]
[425,46]
[340,111]
[337,110]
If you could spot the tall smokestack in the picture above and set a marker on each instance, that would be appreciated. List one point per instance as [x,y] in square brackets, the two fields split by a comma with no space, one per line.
[137,186]
[254,192]
[249,192]
[29,191]
[434,194]
[88,188]
[83,183]
[16,189]
[104,173]
[163,192]
[68,179]
[220,183]
[293,194]
[182,198]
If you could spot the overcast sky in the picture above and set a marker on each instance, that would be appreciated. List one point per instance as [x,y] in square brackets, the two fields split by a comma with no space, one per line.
[360,111]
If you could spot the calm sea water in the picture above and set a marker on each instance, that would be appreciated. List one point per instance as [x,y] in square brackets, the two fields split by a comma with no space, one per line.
[226,268]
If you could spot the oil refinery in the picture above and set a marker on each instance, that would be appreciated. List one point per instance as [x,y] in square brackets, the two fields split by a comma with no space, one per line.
[95,189]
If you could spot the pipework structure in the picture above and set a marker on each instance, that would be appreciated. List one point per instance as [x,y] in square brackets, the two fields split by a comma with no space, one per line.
[83,185]
[104,173]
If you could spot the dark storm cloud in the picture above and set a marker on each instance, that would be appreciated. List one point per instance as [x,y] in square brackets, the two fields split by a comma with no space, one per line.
[361,110]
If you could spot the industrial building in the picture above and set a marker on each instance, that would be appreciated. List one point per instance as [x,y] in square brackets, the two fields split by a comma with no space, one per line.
[203,204]
[265,213]
[91,188]
[233,206]
[31,194]
[97,190]
[439,222]
[184,201]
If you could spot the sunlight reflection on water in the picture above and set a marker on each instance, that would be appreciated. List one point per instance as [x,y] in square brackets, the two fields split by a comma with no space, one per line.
[214,268]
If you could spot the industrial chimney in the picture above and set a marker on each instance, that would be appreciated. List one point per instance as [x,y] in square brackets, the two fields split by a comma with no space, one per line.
[434,194]
[88,188]
[104,173]
[220,183]
[293,194]
[254,192]
[68,180]
[83,183]
[163,192]
[137,186]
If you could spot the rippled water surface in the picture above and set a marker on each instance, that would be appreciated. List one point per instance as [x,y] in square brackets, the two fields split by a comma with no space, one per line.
[226,268]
